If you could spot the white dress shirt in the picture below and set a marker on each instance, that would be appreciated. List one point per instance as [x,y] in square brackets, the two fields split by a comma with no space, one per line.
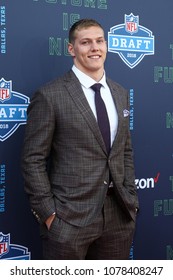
[86,83]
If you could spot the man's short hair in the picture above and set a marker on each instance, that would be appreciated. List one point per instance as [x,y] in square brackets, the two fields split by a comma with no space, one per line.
[82,24]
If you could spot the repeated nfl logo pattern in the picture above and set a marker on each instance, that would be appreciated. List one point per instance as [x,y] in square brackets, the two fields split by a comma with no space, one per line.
[13,109]
[131,41]
[4,244]
[5,90]
[131,23]
[12,251]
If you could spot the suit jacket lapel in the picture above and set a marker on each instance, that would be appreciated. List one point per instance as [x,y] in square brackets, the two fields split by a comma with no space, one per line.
[119,107]
[78,96]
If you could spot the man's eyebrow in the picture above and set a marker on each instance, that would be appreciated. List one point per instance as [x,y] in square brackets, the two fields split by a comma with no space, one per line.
[86,38]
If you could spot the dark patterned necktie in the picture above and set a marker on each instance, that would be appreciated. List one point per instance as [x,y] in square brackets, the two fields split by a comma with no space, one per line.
[102,116]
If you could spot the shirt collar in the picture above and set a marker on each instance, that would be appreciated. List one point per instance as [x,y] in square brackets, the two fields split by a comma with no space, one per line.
[85,80]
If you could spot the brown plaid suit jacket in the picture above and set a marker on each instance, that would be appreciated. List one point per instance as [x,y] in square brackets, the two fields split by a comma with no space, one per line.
[65,164]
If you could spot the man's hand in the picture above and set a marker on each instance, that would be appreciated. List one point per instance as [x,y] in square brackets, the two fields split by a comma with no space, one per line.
[49,221]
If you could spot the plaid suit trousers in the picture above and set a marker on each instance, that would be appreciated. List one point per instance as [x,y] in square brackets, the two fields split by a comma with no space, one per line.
[109,237]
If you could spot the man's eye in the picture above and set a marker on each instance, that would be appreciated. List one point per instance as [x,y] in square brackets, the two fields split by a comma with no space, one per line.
[85,43]
[100,41]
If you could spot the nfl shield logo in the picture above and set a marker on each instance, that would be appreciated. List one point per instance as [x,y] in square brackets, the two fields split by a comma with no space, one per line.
[5,90]
[131,23]
[13,109]
[4,243]
[131,40]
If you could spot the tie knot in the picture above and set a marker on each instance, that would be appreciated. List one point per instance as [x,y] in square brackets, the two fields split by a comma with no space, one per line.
[96,87]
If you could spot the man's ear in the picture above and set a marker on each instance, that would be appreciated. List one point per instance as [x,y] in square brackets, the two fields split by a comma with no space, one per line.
[71,49]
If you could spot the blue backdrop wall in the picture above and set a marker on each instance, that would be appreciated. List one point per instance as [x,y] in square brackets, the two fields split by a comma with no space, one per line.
[33,50]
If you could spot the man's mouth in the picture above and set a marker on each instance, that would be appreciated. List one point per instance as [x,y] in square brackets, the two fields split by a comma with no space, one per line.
[94,56]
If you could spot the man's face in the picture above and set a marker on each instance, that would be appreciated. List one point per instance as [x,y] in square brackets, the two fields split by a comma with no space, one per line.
[89,50]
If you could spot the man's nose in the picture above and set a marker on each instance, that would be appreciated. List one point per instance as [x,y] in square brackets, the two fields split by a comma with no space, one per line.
[94,46]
